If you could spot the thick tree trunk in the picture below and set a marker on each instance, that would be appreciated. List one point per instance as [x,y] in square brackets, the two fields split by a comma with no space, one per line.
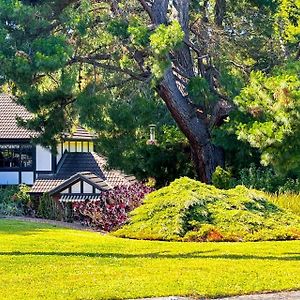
[206,156]
[173,90]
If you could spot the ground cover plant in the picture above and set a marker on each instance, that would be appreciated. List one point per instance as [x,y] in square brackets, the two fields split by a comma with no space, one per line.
[39,261]
[192,211]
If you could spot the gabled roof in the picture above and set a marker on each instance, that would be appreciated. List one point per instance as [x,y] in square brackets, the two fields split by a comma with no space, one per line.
[88,177]
[9,129]
[75,164]
[9,111]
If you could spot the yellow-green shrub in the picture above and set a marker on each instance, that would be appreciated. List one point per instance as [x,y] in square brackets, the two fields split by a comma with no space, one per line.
[192,211]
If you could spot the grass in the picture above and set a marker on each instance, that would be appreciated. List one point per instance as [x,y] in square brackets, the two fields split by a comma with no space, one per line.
[39,261]
[288,201]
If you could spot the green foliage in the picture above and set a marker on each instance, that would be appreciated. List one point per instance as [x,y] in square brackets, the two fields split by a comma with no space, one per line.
[15,201]
[269,118]
[222,179]
[118,27]
[290,185]
[200,92]
[166,38]
[124,126]
[139,33]
[49,209]
[67,62]
[288,20]
[190,210]
[259,178]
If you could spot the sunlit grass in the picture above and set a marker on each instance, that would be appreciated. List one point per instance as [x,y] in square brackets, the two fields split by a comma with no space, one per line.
[38,261]
[288,201]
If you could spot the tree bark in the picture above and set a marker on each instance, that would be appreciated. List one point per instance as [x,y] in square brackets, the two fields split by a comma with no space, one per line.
[206,156]
[173,90]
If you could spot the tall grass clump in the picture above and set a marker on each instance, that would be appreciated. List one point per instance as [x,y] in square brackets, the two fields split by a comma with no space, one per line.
[287,200]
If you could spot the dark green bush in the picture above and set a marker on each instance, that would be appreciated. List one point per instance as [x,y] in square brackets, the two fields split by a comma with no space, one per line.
[49,209]
[222,179]
[189,210]
[260,178]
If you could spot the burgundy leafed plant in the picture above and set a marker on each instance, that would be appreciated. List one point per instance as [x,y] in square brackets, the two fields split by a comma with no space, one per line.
[112,211]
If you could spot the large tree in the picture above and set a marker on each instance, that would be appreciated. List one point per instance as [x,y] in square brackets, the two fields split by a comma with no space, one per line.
[62,56]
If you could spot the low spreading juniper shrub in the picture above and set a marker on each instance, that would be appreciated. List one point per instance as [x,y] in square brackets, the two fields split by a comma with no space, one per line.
[188,210]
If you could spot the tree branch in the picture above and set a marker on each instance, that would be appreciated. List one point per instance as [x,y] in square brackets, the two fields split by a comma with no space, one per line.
[140,77]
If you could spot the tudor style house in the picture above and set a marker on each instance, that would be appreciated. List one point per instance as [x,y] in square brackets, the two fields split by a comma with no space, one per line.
[75,173]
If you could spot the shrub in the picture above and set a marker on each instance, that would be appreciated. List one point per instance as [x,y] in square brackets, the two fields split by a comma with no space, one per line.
[260,178]
[222,179]
[266,179]
[112,211]
[189,210]
[290,186]
[263,179]
[49,208]
[15,201]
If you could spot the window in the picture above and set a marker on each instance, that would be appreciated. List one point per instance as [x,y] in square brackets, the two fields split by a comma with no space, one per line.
[16,156]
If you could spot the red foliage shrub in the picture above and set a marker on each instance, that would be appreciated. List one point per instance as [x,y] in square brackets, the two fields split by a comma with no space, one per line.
[112,210]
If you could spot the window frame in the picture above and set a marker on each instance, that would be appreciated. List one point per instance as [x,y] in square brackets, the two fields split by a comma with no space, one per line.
[20,167]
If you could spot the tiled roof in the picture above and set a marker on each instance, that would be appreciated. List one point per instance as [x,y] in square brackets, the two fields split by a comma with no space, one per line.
[9,128]
[80,134]
[91,165]
[44,185]
[75,162]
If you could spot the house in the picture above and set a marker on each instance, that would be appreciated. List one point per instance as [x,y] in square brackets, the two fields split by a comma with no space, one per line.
[74,173]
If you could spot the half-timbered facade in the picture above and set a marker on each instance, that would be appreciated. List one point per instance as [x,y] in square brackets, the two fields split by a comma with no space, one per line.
[75,172]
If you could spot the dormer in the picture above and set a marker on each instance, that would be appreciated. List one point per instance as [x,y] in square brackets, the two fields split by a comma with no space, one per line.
[78,141]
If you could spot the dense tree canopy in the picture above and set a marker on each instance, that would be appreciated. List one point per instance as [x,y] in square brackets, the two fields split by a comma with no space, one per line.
[65,58]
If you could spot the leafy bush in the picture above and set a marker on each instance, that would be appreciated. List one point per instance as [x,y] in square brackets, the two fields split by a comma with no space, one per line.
[15,201]
[290,186]
[222,179]
[263,179]
[260,178]
[112,211]
[189,210]
[49,209]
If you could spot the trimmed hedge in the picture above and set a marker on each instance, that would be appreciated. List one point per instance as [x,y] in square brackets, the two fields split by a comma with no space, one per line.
[188,210]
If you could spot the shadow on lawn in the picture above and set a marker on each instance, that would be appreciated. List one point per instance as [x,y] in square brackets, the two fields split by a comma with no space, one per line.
[159,255]
[25,228]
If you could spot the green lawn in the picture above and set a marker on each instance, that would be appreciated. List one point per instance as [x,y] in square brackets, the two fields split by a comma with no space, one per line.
[38,261]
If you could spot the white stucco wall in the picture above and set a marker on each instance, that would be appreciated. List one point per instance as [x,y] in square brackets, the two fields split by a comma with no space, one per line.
[75,188]
[43,159]
[87,188]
